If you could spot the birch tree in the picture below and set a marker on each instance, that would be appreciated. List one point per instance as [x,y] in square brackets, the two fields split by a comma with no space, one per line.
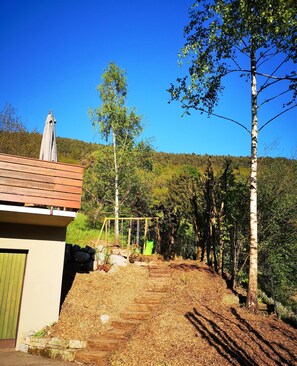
[256,40]
[116,124]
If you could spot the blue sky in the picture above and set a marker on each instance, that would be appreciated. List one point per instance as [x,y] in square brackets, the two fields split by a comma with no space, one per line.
[53,53]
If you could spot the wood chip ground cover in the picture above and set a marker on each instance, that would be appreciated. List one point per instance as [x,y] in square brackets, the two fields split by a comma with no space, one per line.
[193,326]
[94,295]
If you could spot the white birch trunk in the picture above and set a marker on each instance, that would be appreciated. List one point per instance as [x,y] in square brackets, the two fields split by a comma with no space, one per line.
[252,297]
[116,190]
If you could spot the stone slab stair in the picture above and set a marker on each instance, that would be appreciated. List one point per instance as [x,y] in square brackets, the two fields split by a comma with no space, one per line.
[99,349]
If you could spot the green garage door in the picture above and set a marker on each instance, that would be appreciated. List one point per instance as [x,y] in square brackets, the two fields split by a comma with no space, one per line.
[12,269]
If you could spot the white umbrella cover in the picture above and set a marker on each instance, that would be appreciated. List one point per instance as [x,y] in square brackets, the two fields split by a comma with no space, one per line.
[48,149]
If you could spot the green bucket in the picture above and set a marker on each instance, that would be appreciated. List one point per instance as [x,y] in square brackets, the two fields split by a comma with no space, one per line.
[149,246]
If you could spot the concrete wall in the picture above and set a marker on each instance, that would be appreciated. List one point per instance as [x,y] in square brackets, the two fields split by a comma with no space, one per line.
[43,274]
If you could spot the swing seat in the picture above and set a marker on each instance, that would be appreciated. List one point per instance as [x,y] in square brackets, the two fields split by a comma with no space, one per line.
[149,246]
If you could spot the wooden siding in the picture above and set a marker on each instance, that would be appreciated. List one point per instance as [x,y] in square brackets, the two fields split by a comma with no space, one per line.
[38,182]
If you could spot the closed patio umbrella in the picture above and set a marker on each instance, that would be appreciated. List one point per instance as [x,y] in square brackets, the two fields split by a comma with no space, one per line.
[48,149]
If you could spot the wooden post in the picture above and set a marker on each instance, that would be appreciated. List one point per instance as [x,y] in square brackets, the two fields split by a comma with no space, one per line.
[101,231]
[145,233]
[122,234]
[158,248]
[106,233]
[128,245]
[137,232]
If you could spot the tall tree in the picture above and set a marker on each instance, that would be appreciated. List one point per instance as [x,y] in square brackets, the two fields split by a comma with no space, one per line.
[12,129]
[116,122]
[278,229]
[134,186]
[255,39]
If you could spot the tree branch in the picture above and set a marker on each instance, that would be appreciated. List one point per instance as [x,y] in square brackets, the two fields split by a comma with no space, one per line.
[287,77]
[266,56]
[274,71]
[235,62]
[226,118]
[264,86]
[272,98]
[279,114]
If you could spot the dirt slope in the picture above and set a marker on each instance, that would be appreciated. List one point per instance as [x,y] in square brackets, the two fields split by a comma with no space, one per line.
[198,323]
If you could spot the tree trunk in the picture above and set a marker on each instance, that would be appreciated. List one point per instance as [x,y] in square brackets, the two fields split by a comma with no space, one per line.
[214,243]
[116,189]
[221,241]
[158,238]
[197,225]
[234,256]
[252,297]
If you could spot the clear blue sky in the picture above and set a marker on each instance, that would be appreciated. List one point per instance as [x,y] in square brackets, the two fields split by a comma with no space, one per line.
[53,53]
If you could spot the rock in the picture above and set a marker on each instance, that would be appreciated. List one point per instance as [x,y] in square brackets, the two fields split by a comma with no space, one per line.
[230,299]
[82,257]
[114,269]
[57,343]
[104,318]
[76,344]
[75,248]
[37,342]
[22,347]
[118,260]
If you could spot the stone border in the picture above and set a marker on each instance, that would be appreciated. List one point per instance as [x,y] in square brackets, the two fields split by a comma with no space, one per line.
[53,347]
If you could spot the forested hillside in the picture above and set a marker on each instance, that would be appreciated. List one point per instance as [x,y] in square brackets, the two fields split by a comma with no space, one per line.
[202,204]
[28,144]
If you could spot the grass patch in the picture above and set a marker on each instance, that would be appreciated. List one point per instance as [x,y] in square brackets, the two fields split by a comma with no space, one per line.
[79,231]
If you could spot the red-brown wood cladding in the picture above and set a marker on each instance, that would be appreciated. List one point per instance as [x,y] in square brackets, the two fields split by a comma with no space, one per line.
[39,182]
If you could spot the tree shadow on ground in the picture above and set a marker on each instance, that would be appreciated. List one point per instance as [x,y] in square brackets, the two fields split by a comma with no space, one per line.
[262,340]
[236,340]
[185,266]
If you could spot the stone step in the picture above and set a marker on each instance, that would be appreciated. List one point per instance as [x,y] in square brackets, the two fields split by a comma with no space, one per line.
[135,315]
[158,270]
[159,284]
[115,333]
[142,307]
[162,290]
[161,272]
[159,281]
[160,278]
[159,275]
[263,308]
[148,300]
[103,344]
[158,266]
[149,297]
[125,324]
[153,294]
[98,358]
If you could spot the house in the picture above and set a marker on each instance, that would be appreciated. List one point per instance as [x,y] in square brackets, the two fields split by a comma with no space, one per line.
[38,199]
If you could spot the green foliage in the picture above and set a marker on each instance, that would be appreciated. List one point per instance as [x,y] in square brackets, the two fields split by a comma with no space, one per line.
[220,33]
[80,232]
[134,184]
[112,177]
[239,37]
[113,118]
[278,230]
[74,151]
[10,121]
[14,137]
[41,333]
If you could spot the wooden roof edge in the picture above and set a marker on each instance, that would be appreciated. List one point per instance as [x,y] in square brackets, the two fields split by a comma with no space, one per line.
[33,161]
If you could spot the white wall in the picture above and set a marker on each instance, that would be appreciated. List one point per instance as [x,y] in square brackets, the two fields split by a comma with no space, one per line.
[43,275]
